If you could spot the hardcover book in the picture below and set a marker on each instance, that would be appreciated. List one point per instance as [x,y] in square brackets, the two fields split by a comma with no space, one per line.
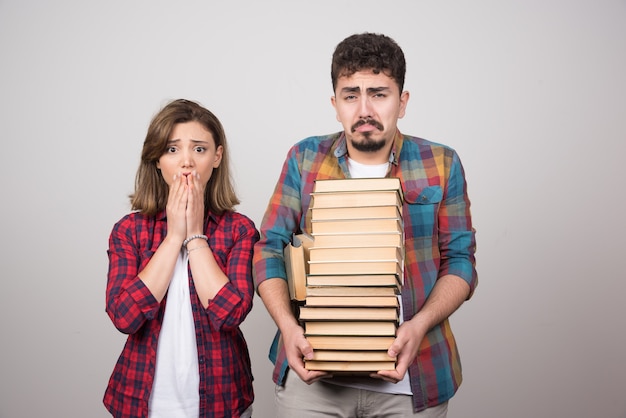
[356,267]
[365,328]
[357,280]
[318,313]
[352,301]
[345,226]
[344,199]
[363,212]
[350,366]
[355,291]
[360,239]
[355,253]
[343,342]
[296,255]
[351,355]
[357,184]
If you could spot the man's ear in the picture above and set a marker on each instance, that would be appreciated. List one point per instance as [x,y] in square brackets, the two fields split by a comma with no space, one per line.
[404,100]
[333,101]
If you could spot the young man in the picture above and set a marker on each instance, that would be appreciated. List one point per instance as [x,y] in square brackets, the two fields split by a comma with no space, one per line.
[368,79]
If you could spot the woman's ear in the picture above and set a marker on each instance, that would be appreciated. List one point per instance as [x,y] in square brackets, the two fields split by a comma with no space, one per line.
[218,156]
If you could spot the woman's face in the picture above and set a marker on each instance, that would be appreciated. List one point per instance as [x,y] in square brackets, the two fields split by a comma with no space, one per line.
[190,150]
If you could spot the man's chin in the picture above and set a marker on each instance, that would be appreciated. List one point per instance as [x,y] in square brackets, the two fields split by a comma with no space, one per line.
[367,144]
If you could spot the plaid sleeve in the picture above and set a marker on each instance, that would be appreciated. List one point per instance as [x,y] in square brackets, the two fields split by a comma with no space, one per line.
[232,243]
[129,303]
[457,241]
[281,220]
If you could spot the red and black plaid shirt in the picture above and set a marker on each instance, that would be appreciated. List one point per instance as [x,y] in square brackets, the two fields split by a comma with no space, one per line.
[225,373]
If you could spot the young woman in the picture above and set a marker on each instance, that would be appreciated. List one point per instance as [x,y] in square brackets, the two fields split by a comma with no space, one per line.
[180,277]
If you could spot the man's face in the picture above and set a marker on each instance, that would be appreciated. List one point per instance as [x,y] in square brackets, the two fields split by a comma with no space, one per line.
[368,106]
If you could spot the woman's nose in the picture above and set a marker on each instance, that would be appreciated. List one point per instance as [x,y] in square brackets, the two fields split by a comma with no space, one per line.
[187,159]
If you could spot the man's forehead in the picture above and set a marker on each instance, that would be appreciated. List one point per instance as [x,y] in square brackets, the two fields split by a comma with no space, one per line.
[366,80]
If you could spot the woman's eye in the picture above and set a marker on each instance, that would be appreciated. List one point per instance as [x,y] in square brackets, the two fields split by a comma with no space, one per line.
[200,149]
[171,149]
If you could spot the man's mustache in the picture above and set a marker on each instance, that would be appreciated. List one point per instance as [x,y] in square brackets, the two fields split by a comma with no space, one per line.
[367,121]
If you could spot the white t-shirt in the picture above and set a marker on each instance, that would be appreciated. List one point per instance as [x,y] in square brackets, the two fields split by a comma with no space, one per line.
[177,377]
[403,387]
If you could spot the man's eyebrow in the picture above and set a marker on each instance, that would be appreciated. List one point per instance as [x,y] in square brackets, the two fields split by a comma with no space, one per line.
[355,89]
[377,89]
[370,90]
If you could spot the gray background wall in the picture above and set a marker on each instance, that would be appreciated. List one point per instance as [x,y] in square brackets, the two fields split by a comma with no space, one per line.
[530,93]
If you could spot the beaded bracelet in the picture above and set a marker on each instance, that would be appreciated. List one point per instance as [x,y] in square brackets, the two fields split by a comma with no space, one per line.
[185,242]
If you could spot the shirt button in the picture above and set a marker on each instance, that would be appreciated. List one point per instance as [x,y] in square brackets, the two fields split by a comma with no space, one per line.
[201,359]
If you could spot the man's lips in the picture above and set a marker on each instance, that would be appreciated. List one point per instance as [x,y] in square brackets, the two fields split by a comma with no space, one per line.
[364,128]
[367,125]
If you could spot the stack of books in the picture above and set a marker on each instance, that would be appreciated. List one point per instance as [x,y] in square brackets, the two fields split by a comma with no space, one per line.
[354,264]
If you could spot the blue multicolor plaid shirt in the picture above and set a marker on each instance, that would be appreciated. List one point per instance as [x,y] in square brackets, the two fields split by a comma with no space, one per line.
[439,240]
[225,373]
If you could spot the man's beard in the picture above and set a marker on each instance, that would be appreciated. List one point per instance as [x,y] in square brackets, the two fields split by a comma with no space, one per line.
[368,144]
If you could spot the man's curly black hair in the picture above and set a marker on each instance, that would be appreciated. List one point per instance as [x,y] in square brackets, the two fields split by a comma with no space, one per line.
[368,51]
